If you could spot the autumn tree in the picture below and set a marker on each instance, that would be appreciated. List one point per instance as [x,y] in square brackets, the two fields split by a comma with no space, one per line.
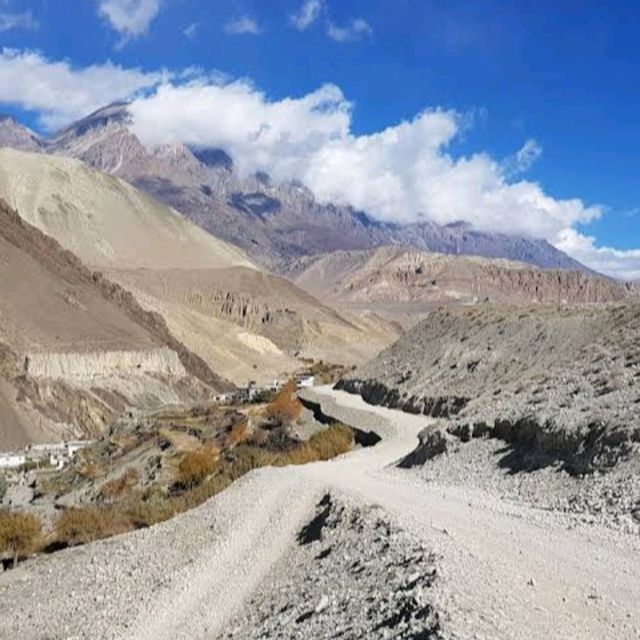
[285,407]
[20,533]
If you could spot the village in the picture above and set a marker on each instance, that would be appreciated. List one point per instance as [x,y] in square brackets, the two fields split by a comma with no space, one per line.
[55,456]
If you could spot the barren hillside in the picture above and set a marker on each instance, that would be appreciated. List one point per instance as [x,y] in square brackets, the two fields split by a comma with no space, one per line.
[245,323]
[77,349]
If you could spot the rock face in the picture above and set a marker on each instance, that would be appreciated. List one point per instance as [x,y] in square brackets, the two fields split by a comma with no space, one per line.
[76,349]
[402,283]
[272,222]
[556,383]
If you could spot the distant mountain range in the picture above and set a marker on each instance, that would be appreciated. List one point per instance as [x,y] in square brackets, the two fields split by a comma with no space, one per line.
[273,223]
[403,284]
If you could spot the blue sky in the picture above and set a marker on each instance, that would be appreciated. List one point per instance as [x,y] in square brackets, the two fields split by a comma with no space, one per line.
[561,75]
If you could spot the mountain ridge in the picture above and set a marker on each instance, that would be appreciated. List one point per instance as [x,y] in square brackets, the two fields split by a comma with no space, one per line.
[272,222]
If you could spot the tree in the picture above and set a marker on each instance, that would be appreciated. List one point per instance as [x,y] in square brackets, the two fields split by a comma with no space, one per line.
[196,465]
[20,533]
[285,407]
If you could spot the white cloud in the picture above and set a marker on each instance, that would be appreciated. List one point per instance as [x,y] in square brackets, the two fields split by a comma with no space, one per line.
[523,159]
[355,30]
[191,31]
[244,25]
[401,174]
[62,93]
[404,173]
[9,21]
[130,18]
[614,262]
[307,14]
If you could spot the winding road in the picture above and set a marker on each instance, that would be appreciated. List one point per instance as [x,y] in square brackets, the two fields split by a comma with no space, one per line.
[505,571]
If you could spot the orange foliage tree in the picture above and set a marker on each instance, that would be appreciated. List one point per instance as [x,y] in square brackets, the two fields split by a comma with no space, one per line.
[285,407]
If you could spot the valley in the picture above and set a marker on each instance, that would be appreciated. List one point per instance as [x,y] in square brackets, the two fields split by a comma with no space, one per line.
[275,416]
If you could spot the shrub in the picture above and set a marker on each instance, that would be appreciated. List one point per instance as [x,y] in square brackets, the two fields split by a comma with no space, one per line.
[85,524]
[195,497]
[4,486]
[20,533]
[333,441]
[144,513]
[118,487]
[239,433]
[285,407]
[247,458]
[196,465]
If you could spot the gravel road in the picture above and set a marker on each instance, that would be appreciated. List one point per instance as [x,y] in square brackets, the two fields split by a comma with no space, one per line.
[472,564]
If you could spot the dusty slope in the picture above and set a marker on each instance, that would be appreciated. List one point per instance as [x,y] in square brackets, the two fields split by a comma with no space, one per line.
[75,348]
[261,560]
[113,226]
[404,284]
[259,319]
[105,221]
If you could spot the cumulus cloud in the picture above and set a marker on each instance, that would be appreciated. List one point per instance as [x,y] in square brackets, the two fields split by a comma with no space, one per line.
[244,25]
[130,18]
[60,92]
[404,173]
[401,174]
[9,21]
[523,159]
[355,30]
[307,14]
[614,262]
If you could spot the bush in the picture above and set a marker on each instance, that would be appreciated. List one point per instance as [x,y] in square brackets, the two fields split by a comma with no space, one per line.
[145,513]
[115,489]
[4,486]
[332,442]
[285,407]
[85,524]
[20,533]
[238,433]
[196,465]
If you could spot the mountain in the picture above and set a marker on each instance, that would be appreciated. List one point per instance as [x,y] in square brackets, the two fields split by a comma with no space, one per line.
[17,136]
[76,350]
[271,222]
[245,323]
[403,284]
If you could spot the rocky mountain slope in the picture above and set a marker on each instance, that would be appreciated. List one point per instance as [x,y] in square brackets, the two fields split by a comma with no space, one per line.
[558,382]
[77,350]
[246,323]
[403,284]
[272,222]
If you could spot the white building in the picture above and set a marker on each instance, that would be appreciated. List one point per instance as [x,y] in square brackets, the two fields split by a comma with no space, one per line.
[304,380]
[11,460]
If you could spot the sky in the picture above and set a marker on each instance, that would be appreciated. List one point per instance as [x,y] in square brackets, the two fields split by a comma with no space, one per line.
[517,116]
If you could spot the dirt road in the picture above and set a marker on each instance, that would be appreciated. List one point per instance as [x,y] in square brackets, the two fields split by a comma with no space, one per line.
[504,570]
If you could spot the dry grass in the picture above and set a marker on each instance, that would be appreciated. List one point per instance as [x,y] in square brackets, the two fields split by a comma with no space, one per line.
[119,487]
[85,524]
[332,442]
[20,534]
[196,465]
